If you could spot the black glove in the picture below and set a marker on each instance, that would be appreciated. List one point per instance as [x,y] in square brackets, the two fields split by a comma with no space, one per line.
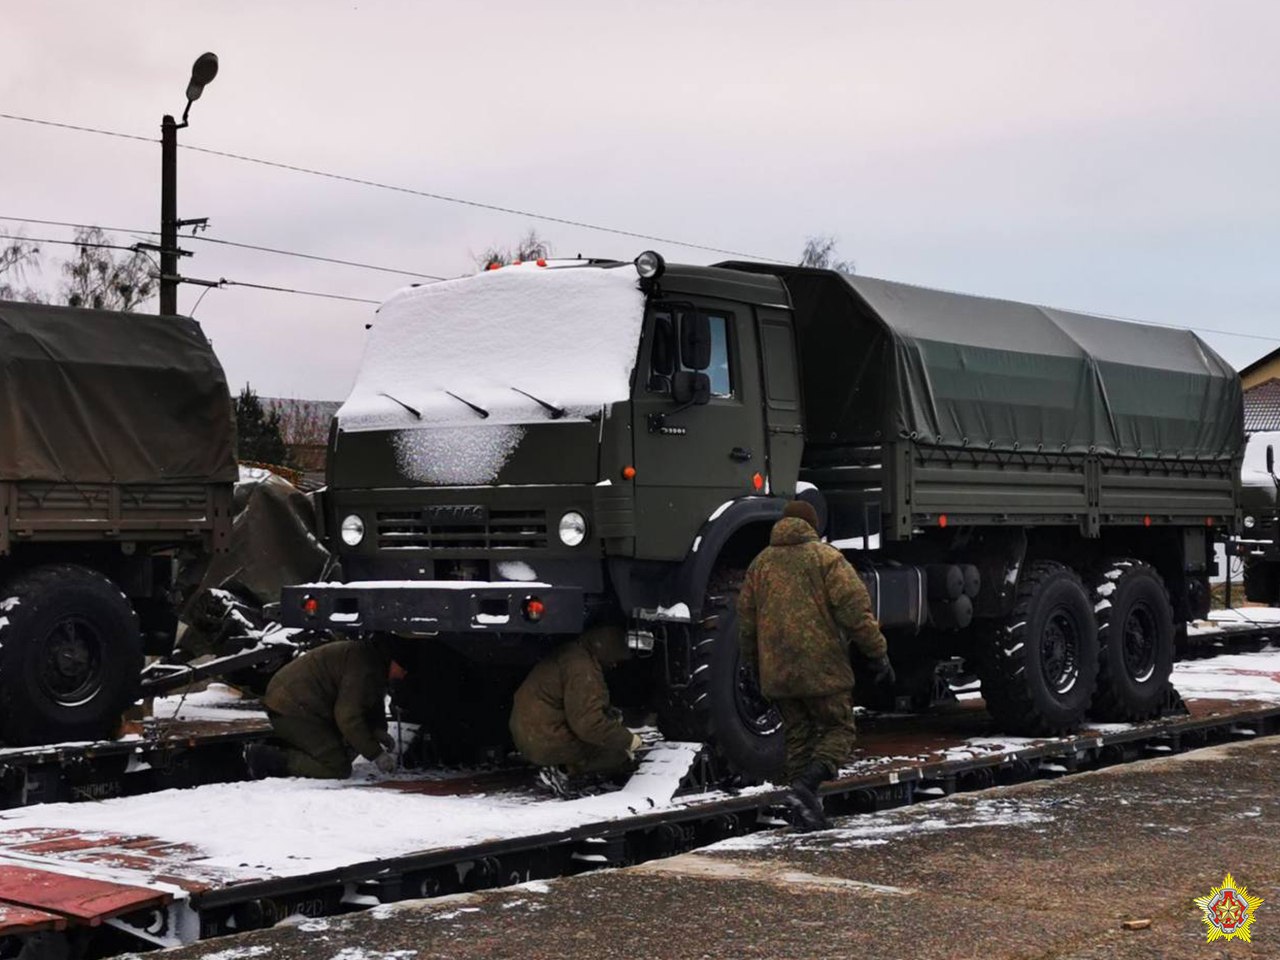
[883,675]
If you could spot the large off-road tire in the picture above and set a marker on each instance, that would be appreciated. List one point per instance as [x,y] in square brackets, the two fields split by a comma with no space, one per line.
[1039,668]
[721,704]
[1135,642]
[70,656]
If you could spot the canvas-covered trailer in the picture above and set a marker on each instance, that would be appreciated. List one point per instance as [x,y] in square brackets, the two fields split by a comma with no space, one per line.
[921,405]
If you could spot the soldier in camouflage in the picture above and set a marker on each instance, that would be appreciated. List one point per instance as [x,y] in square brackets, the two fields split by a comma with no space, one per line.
[325,707]
[801,605]
[561,719]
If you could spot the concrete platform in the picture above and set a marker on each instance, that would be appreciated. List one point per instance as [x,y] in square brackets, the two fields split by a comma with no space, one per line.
[1042,869]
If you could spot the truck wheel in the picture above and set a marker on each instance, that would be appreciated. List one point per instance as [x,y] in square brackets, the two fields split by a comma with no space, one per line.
[70,656]
[1039,670]
[1135,642]
[721,705]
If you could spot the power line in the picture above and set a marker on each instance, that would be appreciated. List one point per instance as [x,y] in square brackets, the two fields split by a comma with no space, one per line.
[69,243]
[221,282]
[565,221]
[232,243]
[224,282]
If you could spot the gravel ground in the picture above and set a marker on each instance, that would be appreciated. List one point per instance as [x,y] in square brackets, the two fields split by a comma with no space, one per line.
[1045,869]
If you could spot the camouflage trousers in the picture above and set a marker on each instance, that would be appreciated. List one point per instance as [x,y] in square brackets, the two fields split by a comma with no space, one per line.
[817,728]
[312,748]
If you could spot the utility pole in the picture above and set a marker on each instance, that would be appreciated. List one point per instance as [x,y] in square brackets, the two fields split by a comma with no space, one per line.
[202,73]
[169,251]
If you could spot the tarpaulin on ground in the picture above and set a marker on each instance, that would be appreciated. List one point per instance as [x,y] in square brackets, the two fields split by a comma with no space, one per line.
[94,396]
[883,360]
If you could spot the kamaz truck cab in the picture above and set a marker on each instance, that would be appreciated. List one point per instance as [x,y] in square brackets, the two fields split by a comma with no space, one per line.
[546,444]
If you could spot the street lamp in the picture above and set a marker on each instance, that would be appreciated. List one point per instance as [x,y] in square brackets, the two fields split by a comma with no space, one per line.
[202,73]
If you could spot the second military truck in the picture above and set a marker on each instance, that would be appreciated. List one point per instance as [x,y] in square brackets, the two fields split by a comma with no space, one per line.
[543,445]
[117,462]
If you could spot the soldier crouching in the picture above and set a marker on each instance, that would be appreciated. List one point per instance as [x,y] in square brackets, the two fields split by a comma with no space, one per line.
[800,600]
[325,707]
[561,720]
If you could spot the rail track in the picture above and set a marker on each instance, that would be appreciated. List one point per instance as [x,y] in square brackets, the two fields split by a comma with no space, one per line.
[116,884]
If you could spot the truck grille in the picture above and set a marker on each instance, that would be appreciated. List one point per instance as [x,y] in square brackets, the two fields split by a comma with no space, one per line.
[509,529]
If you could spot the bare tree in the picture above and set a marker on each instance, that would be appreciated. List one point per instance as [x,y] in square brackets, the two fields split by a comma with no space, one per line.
[97,279]
[15,259]
[301,422]
[528,247]
[820,252]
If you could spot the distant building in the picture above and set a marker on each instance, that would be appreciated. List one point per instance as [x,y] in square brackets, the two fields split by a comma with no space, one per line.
[304,425]
[1261,382]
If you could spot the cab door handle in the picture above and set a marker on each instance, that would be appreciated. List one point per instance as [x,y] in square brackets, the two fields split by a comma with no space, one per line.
[741,454]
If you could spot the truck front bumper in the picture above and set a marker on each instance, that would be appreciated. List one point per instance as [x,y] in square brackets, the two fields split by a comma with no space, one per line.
[427,608]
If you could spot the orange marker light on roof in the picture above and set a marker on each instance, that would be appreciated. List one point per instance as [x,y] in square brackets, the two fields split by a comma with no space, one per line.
[757,481]
[942,519]
[494,266]
[1146,520]
[628,472]
[541,261]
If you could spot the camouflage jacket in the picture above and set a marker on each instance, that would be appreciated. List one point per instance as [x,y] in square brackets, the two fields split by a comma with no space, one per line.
[800,601]
[342,683]
[564,699]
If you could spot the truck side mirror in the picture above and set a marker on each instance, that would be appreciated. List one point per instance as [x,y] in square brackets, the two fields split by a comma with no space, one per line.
[662,356]
[695,340]
[691,389]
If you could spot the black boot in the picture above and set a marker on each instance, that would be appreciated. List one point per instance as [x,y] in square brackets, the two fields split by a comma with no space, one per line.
[264,760]
[808,805]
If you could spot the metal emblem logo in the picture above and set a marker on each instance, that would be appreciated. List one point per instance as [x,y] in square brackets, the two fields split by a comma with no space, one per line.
[455,514]
[1228,911]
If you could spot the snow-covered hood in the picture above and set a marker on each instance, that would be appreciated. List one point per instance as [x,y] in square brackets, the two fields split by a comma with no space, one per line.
[461,372]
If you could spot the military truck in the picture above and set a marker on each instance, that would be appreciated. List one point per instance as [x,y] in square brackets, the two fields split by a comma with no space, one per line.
[116,460]
[1258,543]
[1033,490]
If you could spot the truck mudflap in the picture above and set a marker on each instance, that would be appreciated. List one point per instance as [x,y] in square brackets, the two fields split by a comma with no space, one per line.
[425,608]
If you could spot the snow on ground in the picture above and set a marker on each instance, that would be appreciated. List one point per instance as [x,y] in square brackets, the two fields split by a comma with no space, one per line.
[882,828]
[1246,616]
[217,702]
[1241,676]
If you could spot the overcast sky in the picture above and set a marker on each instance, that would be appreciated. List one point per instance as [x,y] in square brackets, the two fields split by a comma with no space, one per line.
[1115,157]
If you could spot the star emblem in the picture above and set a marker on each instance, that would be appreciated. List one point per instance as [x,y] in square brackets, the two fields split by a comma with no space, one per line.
[1228,911]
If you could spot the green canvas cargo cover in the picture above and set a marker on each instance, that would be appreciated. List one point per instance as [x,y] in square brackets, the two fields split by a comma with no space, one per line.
[94,396]
[883,361]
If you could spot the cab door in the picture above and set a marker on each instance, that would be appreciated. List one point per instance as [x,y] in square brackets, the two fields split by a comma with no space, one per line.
[690,459]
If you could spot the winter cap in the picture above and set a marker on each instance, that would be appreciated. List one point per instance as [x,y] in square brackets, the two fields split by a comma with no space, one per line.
[804,510]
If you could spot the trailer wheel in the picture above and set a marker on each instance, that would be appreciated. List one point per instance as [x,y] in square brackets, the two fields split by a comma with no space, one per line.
[721,704]
[70,656]
[1039,670]
[1135,642]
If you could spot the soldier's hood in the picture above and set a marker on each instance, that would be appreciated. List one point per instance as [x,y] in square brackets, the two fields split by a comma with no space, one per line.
[790,531]
[607,643]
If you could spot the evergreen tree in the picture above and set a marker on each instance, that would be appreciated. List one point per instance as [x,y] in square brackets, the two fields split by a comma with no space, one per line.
[258,435]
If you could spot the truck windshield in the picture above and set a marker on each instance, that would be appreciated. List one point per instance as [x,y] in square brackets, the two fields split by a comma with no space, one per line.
[522,344]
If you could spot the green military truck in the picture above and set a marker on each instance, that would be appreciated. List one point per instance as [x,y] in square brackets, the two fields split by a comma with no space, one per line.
[116,461]
[524,451]
[1258,543]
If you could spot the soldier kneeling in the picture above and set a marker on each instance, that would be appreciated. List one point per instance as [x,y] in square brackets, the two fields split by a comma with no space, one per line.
[562,720]
[325,707]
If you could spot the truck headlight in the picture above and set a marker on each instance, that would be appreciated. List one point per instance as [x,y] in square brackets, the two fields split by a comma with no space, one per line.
[573,528]
[1249,523]
[352,530]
